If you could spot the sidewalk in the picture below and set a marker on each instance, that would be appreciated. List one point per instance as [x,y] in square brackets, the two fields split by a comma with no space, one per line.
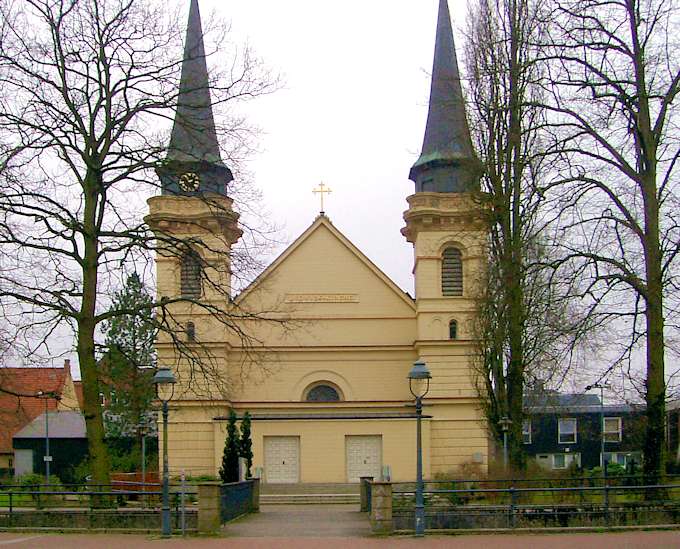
[627,540]
[296,521]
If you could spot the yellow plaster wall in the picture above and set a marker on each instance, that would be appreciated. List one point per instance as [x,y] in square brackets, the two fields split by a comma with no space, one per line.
[322,446]
[457,435]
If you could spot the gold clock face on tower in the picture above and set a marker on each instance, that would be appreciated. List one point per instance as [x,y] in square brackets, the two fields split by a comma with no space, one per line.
[189,182]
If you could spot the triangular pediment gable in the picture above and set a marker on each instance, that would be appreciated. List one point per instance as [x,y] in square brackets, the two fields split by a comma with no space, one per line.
[323,264]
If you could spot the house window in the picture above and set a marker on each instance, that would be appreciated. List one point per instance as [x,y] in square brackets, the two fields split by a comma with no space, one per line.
[564,461]
[452,272]
[526,431]
[566,431]
[612,429]
[190,277]
[453,330]
[622,458]
[323,393]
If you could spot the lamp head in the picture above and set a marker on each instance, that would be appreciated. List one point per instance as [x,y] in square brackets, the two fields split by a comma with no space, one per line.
[419,379]
[165,381]
[505,423]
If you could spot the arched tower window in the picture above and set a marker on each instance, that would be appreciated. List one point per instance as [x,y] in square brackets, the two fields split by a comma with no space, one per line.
[453,330]
[452,272]
[191,331]
[191,271]
[323,393]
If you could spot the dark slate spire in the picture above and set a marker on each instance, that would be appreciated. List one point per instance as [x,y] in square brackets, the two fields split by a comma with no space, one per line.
[447,162]
[193,148]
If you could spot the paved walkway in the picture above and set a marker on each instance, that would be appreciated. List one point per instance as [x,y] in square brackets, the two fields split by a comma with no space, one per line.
[627,540]
[293,521]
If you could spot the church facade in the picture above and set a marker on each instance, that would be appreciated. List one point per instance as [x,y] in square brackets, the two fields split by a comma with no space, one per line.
[324,377]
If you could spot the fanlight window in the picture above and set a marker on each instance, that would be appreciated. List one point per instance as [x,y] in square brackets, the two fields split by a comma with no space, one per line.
[191,272]
[452,272]
[323,393]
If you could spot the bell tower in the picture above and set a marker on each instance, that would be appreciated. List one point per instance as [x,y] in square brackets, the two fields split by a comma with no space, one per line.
[193,218]
[446,225]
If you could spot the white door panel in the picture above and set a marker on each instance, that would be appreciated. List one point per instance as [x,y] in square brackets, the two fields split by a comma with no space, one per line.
[364,456]
[282,459]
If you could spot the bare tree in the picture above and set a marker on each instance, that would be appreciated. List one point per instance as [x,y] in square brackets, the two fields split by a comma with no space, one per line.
[527,325]
[88,90]
[611,86]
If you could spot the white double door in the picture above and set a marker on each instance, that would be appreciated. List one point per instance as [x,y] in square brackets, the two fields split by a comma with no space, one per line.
[282,459]
[364,456]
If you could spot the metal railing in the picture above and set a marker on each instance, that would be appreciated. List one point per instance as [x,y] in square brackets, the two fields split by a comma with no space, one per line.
[538,507]
[109,505]
[236,499]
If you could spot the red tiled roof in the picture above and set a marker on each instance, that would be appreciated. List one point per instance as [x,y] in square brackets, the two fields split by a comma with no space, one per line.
[18,411]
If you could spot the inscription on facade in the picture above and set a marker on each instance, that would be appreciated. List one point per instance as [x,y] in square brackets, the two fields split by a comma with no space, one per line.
[322,298]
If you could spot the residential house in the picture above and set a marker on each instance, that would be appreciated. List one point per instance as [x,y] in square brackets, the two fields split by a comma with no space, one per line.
[67,444]
[561,430]
[25,393]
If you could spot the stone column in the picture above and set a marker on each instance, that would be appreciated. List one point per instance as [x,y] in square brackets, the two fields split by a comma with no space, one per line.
[255,503]
[209,519]
[381,507]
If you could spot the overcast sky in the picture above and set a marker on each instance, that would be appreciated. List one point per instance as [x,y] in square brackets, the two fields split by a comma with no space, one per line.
[351,114]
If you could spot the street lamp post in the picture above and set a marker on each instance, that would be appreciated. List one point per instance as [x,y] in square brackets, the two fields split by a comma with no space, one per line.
[47,458]
[505,423]
[165,387]
[419,384]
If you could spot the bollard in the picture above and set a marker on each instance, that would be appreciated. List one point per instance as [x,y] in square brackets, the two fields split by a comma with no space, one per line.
[255,502]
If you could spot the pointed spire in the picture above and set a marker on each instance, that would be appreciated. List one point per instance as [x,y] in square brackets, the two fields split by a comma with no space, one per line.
[193,134]
[194,148]
[447,162]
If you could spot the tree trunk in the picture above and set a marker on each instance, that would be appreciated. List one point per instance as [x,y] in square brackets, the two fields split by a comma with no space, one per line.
[656,383]
[99,458]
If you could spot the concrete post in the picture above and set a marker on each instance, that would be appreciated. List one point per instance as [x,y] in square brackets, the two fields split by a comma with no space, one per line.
[209,518]
[364,487]
[381,507]
[255,503]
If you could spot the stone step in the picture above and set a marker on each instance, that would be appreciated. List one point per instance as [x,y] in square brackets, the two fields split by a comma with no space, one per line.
[310,488]
[308,499]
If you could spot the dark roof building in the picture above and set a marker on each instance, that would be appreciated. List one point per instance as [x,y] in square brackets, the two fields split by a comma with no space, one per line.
[561,430]
[25,393]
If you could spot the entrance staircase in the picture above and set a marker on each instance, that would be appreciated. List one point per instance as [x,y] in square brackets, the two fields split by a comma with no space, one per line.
[301,494]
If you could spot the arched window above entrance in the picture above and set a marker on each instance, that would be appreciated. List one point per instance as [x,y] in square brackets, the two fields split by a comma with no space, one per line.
[322,392]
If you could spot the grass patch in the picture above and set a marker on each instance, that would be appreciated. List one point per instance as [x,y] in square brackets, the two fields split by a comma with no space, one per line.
[18,500]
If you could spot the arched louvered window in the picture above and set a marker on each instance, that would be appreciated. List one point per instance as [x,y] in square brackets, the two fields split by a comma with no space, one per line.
[191,275]
[453,330]
[323,393]
[452,272]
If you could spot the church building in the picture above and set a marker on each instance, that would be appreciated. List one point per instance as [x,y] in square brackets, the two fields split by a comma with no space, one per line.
[325,378]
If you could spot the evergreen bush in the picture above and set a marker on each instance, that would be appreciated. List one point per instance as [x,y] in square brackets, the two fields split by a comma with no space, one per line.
[246,446]
[229,469]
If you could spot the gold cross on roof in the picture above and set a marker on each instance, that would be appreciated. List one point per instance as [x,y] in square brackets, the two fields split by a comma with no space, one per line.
[321,190]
